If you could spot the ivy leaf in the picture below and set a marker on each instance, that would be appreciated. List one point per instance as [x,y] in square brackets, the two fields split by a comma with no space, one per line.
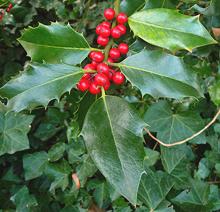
[171,126]
[40,84]
[24,201]
[160,75]
[154,188]
[215,93]
[39,159]
[55,43]
[56,151]
[161,28]
[115,144]
[13,132]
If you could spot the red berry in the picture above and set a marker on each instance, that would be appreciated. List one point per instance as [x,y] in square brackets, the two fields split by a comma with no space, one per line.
[102,41]
[105,31]
[106,23]
[116,33]
[122,18]
[109,13]
[83,85]
[94,88]
[103,68]
[122,29]
[98,57]
[86,76]
[98,29]
[89,67]
[101,79]
[110,60]
[94,64]
[9,7]
[107,85]
[123,48]
[111,73]
[91,54]
[118,78]
[114,54]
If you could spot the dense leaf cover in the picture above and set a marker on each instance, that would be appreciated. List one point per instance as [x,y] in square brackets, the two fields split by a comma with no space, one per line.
[64,150]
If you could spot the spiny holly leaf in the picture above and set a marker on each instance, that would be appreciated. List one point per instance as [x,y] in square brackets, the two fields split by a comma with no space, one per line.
[24,201]
[116,146]
[55,43]
[169,29]
[160,75]
[131,6]
[40,84]
[13,132]
[154,188]
[150,4]
[174,126]
[215,93]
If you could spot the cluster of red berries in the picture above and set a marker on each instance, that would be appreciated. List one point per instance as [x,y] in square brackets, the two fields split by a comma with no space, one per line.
[8,9]
[99,73]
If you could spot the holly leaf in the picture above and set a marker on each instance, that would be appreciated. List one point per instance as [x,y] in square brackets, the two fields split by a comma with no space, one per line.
[55,43]
[161,28]
[117,146]
[39,85]
[174,126]
[13,132]
[170,77]
[24,201]
[130,6]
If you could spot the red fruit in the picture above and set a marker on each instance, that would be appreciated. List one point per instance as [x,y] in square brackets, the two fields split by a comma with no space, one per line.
[123,48]
[94,64]
[114,54]
[107,85]
[102,41]
[122,29]
[98,57]
[89,67]
[116,33]
[103,68]
[91,54]
[9,7]
[109,13]
[118,78]
[111,73]
[101,79]
[98,29]
[110,60]
[86,76]
[107,24]
[105,31]
[94,88]
[83,85]
[122,18]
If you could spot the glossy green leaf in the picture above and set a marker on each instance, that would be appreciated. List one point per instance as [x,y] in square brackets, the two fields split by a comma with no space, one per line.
[13,132]
[215,93]
[34,164]
[55,43]
[154,188]
[131,6]
[24,201]
[40,84]
[169,29]
[174,126]
[56,151]
[115,144]
[150,4]
[160,75]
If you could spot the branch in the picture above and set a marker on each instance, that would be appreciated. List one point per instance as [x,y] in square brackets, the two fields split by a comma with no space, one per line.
[187,139]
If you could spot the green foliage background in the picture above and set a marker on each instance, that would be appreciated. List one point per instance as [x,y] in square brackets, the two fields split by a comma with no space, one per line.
[36,167]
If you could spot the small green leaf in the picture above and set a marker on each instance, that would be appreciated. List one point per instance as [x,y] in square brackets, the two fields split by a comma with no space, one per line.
[13,132]
[215,93]
[151,157]
[169,29]
[56,151]
[34,164]
[160,75]
[113,135]
[55,43]
[40,84]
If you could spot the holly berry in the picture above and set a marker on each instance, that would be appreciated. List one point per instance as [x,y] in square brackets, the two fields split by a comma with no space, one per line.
[110,60]
[9,8]
[91,54]
[101,79]
[98,29]
[122,29]
[105,31]
[111,73]
[106,23]
[114,53]
[94,63]
[109,13]
[86,76]
[116,33]
[123,48]
[118,78]
[89,67]
[83,85]
[94,88]
[103,68]
[107,85]
[97,57]
[102,41]
[122,18]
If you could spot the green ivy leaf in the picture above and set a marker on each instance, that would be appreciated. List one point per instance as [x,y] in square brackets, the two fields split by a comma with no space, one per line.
[24,201]
[13,132]
[34,164]
[115,144]
[40,84]
[160,75]
[171,126]
[169,29]
[55,43]
[215,93]
[56,151]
